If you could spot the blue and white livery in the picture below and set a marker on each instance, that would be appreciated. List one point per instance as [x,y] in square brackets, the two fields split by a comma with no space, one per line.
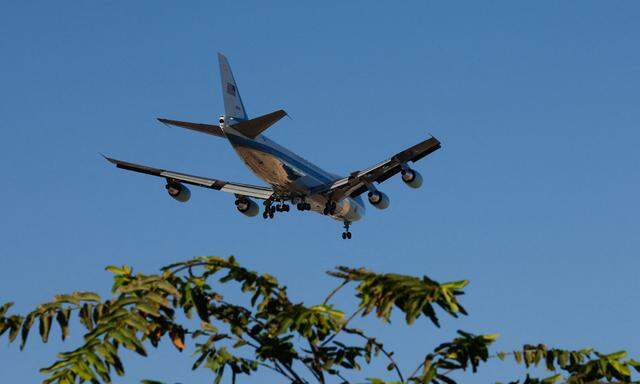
[291,178]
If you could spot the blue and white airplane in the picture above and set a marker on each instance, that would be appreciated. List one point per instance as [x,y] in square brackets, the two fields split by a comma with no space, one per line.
[292,178]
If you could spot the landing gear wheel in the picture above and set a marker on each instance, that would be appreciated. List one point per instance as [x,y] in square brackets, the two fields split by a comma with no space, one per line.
[330,208]
[346,234]
[265,214]
[285,207]
[271,214]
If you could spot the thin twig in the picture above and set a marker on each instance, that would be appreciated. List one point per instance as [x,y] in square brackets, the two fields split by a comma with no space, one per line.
[314,349]
[333,292]
[343,326]
[385,352]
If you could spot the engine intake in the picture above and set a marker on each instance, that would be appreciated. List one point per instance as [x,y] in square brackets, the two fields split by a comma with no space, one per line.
[412,178]
[378,199]
[247,207]
[178,191]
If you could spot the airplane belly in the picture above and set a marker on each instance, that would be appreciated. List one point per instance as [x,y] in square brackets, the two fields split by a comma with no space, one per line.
[274,171]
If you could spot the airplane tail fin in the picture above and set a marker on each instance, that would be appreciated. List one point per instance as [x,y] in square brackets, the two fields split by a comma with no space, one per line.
[233,107]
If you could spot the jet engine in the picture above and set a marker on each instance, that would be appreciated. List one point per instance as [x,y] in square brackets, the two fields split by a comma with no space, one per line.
[378,199]
[247,207]
[178,191]
[412,178]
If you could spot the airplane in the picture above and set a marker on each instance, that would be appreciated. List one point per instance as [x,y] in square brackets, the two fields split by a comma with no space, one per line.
[291,178]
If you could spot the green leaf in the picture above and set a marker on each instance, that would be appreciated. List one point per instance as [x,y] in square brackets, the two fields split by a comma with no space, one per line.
[239,343]
[120,271]
[563,358]
[617,355]
[4,308]
[148,309]
[62,317]
[87,296]
[26,327]
[517,355]
[45,326]
[552,379]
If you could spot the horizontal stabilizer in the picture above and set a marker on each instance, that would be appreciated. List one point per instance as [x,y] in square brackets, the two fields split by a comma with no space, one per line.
[254,127]
[204,128]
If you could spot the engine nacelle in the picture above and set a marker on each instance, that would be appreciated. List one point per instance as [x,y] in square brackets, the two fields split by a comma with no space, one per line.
[247,207]
[412,178]
[378,199]
[178,191]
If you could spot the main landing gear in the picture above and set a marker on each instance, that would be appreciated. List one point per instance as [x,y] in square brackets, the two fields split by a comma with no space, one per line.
[346,234]
[270,210]
[329,208]
[304,206]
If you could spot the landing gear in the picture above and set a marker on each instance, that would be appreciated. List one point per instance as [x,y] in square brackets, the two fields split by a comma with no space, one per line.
[346,234]
[282,208]
[270,209]
[303,206]
[329,208]
[269,214]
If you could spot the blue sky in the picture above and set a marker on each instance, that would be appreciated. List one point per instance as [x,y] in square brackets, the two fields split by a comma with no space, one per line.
[533,197]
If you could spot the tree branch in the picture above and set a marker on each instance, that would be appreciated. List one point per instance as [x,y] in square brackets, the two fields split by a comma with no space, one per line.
[333,292]
[342,327]
[389,355]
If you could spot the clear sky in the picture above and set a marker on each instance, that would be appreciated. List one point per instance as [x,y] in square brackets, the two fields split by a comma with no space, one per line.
[533,197]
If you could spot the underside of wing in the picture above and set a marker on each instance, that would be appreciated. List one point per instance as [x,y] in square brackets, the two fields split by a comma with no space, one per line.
[219,185]
[356,183]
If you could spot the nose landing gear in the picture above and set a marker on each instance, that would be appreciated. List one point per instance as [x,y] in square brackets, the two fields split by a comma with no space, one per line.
[346,234]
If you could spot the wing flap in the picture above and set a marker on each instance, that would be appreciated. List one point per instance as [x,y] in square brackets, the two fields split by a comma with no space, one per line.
[219,185]
[356,183]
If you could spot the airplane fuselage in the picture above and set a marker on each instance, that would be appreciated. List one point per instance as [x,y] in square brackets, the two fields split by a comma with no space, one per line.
[287,172]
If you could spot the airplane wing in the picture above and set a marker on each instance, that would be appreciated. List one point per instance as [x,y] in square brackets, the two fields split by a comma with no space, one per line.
[356,183]
[219,185]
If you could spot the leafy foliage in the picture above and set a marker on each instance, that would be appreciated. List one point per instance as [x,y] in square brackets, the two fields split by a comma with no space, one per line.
[183,304]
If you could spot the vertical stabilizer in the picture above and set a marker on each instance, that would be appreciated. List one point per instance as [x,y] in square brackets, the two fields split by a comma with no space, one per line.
[233,107]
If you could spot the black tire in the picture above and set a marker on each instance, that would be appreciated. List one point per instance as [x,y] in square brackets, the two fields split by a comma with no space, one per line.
[348,235]
[271,215]
[265,214]
[344,235]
